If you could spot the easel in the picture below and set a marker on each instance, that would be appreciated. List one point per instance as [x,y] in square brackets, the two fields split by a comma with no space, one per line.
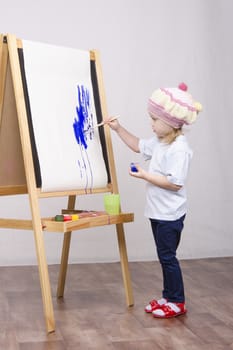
[16,144]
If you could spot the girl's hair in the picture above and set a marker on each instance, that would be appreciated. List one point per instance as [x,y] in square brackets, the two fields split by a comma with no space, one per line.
[173,135]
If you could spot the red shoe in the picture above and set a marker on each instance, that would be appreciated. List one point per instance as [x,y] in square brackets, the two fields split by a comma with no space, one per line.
[155,304]
[169,310]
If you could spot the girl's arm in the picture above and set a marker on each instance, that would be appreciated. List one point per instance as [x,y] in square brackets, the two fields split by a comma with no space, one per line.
[129,139]
[157,180]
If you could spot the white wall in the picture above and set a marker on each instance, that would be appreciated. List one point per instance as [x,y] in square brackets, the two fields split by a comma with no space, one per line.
[143,45]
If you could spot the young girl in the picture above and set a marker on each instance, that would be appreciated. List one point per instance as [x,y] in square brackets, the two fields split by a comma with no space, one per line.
[170,156]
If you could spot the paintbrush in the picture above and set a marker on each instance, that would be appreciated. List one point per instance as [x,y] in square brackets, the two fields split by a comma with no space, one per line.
[104,122]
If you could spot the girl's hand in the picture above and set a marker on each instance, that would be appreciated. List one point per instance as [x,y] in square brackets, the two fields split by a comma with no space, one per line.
[113,123]
[140,173]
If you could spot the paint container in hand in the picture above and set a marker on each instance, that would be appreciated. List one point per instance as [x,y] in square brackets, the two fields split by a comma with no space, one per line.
[133,168]
[112,203]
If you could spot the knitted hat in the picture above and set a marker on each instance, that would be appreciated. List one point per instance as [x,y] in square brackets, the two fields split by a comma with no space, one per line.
[175,106]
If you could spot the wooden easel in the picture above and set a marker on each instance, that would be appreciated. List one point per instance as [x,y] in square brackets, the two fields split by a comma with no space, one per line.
[17,176]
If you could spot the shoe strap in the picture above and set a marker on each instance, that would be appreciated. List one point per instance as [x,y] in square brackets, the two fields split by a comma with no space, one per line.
[173,307]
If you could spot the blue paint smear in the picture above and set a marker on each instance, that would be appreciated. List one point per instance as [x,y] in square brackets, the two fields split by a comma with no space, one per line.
[83,123]
[84,132]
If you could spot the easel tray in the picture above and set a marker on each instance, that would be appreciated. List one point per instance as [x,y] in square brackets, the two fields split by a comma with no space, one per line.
[49,224]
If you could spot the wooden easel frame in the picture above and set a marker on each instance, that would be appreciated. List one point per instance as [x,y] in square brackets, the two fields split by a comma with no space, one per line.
[25,183]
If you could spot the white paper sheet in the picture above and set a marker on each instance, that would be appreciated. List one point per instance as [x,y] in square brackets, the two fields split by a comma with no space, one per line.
[63,116]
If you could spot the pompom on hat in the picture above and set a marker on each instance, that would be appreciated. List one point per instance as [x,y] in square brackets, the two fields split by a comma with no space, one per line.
[175,106]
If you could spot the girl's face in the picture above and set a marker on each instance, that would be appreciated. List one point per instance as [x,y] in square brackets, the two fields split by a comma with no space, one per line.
[160,128]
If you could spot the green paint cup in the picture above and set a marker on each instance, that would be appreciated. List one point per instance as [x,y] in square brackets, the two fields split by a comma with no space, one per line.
[112,203]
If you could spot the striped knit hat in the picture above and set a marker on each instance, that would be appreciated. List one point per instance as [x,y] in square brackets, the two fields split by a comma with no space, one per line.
[175,106]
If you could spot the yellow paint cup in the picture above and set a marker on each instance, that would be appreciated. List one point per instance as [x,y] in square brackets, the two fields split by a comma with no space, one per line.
[112,203]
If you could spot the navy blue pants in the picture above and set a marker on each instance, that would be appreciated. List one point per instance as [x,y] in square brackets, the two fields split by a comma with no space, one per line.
[167,238]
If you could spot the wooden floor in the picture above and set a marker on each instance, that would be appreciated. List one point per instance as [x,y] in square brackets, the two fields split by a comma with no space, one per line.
[93,314]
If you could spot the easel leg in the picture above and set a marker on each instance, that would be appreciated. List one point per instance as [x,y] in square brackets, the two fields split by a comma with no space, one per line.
[64,264]
[65,254]
[124,264]
[31,183]
[44,279]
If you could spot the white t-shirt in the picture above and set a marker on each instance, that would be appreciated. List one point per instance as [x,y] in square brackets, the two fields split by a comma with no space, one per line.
[173,162]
